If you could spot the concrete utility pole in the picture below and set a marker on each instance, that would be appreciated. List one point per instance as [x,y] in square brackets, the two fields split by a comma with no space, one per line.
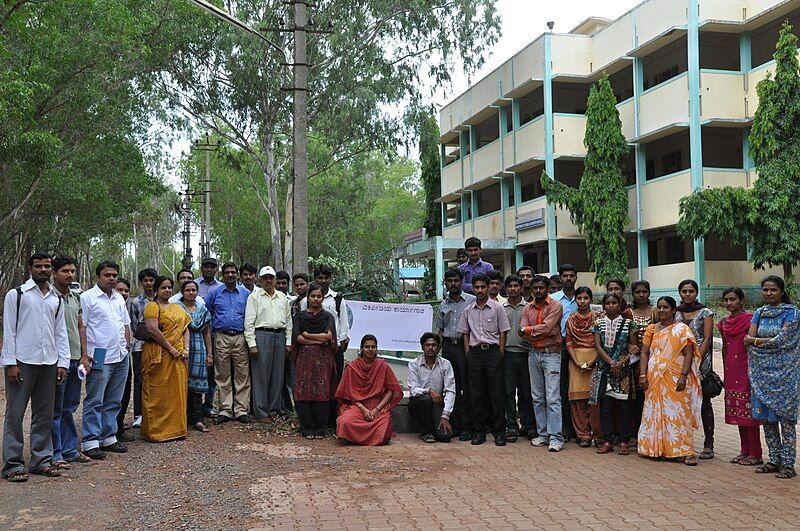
[205,217]
[300,140]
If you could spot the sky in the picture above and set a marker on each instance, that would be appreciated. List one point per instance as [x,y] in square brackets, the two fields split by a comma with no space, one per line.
[523,21]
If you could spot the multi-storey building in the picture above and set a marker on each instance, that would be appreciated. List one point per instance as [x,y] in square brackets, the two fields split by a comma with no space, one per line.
[684,73]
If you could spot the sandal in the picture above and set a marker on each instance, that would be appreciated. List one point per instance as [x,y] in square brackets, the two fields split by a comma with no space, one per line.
[786,472]
[707,453]
[767,468]
[309,437]
[607,448]
[319,436]
[623,449]
[428,438]
[512,437]
[584,443]
[199,426]
[61,464]
[80,459]
[48,471]
[739,458]
[751,461]
[690,461]
[17,477]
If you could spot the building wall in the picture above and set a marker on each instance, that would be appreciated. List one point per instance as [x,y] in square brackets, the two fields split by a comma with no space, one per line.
[554,73]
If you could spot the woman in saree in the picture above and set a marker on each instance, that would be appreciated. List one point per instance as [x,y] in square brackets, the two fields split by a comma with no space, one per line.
[200,354]
[773,346]
[738,409]
[583,359]
[701,320]
[644,314]
[668,372]
[611,382]
[313,349]
[366,394]
[164,372]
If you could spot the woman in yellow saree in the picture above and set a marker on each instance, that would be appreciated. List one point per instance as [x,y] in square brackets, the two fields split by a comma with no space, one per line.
[165,376]
[669,375]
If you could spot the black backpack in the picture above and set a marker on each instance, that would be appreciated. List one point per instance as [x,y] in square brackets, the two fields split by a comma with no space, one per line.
[19,301]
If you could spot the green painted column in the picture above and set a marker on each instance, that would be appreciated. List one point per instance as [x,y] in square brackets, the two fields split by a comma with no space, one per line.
[695,127]
[549,164]
[438,244]
[641,167]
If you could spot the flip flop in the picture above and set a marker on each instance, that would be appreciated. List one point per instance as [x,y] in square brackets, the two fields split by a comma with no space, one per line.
[751,461]
[49,471]
[767,468]
[690,461]
[17,477]
[738,459]
[707,453]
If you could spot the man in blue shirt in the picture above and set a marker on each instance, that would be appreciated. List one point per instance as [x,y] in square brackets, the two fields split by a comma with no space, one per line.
[227,304]
[473,266]
[566,296]
[207,281]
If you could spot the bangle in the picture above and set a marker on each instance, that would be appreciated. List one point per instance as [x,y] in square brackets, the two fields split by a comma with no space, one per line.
[684,375]
[642,376]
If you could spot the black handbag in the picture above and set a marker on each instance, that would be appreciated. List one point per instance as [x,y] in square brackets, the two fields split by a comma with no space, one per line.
[141,333]
[712,385]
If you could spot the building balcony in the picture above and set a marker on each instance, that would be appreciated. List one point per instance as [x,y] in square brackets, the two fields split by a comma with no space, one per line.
[533,234]
[451,178]
[490,226]
[722,97]
[568,133]
[530,141]
[485,164]
[660,199]
[664,105]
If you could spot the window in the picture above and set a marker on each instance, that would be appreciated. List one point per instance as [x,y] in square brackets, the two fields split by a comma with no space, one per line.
[509,114]
[531,106]
[488,199]
[452,213]
[671,162]
[530,184]
[675,250]
[665,75]
[511,192]
[467,203]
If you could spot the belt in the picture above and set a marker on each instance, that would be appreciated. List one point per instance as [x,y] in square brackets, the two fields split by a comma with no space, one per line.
[273,330]
[485,346]
[228,332]
[454,340]
[549,350]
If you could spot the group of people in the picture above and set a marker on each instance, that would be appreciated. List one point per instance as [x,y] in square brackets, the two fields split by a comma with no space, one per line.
[202,348]
[546,363]
[540,363]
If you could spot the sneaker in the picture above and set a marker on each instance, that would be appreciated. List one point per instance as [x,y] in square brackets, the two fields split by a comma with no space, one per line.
[95,454]
[556,447]
[213,412]
[540,441]
[137,422]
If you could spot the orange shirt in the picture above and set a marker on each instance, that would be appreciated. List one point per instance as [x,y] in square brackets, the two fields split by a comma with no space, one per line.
[541,324]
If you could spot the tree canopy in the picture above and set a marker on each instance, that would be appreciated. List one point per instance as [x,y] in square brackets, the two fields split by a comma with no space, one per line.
[599,206]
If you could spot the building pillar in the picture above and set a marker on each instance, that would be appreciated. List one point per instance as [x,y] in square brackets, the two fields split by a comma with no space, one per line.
[396,275]
[695,127]
[641,168]
[438,244]
[552,249]
[518,257]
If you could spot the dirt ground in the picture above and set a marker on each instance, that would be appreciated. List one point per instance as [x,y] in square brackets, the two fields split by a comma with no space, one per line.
[256,476]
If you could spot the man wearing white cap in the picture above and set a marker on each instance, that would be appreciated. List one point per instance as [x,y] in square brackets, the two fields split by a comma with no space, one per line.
[268,331]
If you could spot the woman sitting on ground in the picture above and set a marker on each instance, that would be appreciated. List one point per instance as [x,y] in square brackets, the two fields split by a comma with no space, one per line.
[164,373]
[200,357]
[367,393]
[668,372]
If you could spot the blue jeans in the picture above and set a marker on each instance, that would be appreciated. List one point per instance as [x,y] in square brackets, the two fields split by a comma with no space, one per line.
[545,370]
[104,388]
[64,432]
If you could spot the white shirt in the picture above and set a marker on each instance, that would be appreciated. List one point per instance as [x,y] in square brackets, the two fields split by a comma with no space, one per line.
[105,319]
[39,336]
[176,298]
[440,378]
[329,305]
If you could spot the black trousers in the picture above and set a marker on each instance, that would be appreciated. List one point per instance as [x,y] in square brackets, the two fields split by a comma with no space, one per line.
[194,407]
[428,414]
[607,418]
[134,381]
[567,430]
[338,360]
[124,402]
[707,414]
[313,416]
[461,419]
[518,393]
[487,390]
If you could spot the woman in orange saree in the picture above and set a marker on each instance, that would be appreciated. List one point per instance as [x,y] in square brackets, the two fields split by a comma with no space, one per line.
[672,388]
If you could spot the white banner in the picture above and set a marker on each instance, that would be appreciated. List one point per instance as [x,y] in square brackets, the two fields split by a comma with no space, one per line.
[397,326]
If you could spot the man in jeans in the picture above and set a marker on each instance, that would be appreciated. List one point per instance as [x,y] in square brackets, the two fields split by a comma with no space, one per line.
[517,375]
[446,320]
[147,277]
[565,295]
[35,358]
[68,392]
[484,325]
[107,333]
[540,326]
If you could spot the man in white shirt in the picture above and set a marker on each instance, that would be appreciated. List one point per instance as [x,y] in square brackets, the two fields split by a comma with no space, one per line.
[184,276]
[432,385]
[107,335]
[35,357]
[268,332]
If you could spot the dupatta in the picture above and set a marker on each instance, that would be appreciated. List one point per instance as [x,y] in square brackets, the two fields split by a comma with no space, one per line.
[361,382]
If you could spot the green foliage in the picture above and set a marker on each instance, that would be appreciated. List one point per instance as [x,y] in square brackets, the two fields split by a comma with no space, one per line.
[599,206]
[766,217]
[431,174]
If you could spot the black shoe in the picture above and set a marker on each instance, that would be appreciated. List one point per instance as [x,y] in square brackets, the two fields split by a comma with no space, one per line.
[511,436]
[124,437]
[480,438]
[221,419]
[465,436]
[500,440]
[244,419]
[95,454]
[117,448]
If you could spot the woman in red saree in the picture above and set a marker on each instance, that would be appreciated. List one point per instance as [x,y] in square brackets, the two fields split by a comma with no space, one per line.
[367,393]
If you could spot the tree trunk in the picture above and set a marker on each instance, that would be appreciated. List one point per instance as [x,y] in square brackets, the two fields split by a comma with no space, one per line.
[787,273]
[289,224]
[271,179]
